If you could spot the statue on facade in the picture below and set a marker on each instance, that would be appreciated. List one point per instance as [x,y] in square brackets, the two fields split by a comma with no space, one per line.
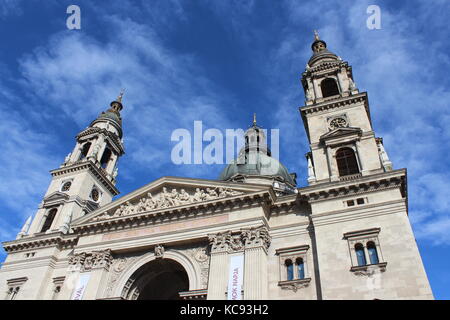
[150,202]
[115,173]
[159,251]
[184,197]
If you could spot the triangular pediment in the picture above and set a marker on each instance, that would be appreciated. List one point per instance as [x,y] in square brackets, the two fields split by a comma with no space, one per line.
[55,196]
[167,193]
[339,132]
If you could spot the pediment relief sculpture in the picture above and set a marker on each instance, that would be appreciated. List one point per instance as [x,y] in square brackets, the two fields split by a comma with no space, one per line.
[168,199]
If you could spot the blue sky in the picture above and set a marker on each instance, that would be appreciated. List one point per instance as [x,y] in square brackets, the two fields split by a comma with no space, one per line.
[220,61]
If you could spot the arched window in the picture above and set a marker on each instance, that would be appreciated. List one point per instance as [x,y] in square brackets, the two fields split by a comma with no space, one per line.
[373,255]
[105,158]
[85,150]
[300,268]
[359,249]
[329,87]
[49,220]
[346,162]
[289,269]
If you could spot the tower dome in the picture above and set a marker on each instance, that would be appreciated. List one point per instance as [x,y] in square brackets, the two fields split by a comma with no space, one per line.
[320,51]
[256,165]
[111,116]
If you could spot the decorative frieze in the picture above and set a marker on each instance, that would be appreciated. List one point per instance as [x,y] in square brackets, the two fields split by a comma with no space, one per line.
[86,261]
[166,199]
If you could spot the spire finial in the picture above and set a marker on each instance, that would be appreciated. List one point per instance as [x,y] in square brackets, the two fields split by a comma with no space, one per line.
[119,98]
[316,35]
[254,119]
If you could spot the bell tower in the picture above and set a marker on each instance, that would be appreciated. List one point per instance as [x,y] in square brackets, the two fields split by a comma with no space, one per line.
[337,121]
[86,179]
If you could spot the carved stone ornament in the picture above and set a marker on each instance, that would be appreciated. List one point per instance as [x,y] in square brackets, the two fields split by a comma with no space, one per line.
[339,122]
[159,251]
[118,266]
[254,237]
[166,199]
[294,285]
[248,238]
[202,258]
[86,261]
[220,241]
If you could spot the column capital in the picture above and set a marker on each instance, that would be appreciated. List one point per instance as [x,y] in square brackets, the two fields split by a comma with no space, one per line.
[226,242]
[256,237]
[94,260]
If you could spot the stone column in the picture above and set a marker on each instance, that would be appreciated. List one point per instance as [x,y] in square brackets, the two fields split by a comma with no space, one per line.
[317,90]
[111,164]
[311,174]
[218,267]
[331,168]
[257,242]
[359,156]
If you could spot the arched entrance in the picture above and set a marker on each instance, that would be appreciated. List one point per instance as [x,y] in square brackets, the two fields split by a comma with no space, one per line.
[159,279]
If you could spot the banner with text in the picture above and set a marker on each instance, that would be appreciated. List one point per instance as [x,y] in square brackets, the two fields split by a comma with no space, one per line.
[235,277]
[81,286]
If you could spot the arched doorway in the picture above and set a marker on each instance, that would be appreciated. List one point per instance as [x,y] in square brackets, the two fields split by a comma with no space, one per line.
[159,279]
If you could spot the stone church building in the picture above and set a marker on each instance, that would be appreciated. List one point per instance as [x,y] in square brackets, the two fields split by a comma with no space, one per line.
[250,234]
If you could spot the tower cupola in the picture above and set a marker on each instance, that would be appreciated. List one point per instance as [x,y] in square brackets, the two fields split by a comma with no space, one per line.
[255,164]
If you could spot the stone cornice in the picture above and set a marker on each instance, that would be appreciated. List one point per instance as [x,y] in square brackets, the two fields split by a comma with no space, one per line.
[99,173]
[364,184]
[41,241]
[326,67]
[336,103]
[173,214]
[85,204]
[339,135]
[296,249]
[362,233]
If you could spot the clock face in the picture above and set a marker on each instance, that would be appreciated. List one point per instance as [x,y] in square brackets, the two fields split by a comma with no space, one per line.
[66,186]
[338,123]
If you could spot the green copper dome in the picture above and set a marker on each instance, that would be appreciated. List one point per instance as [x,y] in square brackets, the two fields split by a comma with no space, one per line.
[263,165]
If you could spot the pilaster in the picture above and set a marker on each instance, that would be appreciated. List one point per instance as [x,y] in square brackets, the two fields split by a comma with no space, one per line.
[257,242]
[218,268]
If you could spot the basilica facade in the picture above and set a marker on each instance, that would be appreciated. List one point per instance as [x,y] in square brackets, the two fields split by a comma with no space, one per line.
[250,234]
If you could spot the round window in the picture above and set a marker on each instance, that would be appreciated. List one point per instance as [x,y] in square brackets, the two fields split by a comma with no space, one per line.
[95,195]
[66,186]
